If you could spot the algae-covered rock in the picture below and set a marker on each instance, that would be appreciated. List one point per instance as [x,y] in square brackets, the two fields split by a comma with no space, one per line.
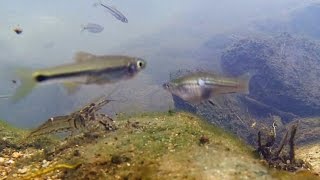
[9,135]
[147,146]
[166,146]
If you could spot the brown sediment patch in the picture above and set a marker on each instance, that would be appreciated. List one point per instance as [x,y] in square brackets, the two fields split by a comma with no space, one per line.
[311,154]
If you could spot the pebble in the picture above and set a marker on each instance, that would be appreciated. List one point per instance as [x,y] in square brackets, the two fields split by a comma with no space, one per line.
[45,163]
[23,170]
[1,160]
[16,155]
[10,161]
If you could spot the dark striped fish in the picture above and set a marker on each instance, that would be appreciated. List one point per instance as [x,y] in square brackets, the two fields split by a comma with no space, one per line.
[88,69]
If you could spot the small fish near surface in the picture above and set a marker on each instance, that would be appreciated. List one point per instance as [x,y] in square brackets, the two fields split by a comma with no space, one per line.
[91,27]
[201,86]
[17,30]
[88,69]
[112,10]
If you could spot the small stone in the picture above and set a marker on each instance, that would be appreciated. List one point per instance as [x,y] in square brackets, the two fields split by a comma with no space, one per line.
[23,170]
[1,159]
[45,163]
[76,152]
[16,154]
[203,140]
[288,161]
[10,161]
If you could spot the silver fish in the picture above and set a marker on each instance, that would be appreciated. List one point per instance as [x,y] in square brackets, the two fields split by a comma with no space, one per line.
[201,86]
[91,27]
[116,13]
[88,69]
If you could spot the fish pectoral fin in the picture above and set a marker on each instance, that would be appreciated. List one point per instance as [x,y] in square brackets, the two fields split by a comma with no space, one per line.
[71,87]
[83,56]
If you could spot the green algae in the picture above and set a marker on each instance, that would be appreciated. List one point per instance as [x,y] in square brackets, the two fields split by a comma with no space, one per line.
[158,145]
[10,136]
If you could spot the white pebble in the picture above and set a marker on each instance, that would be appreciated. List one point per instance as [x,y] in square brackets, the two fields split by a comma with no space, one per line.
[23,170]
[45,163]
[10,161]
[1,159]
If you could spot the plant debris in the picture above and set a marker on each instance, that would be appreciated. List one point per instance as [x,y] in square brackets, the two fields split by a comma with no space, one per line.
[80,119]
[279,157]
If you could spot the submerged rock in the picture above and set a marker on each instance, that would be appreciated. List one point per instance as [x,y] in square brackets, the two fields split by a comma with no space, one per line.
[286,71]
[153,146]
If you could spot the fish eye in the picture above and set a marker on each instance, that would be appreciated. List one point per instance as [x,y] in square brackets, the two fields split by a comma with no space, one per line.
[166,85]
[140,64]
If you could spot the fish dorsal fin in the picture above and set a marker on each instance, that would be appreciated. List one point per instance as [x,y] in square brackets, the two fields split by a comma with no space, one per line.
[83,56]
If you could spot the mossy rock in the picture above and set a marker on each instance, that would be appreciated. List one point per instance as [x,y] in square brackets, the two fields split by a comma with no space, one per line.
[173,145]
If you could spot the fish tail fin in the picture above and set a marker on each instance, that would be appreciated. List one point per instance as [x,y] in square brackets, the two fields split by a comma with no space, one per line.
[82,28]
[26,84]
[244,82]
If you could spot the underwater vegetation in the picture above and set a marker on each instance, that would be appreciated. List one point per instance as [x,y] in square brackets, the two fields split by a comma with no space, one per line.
[144,146]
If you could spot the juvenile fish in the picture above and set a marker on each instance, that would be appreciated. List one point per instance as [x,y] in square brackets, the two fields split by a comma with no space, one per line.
[116,13]
[88,69]
[91,27]
[201,86]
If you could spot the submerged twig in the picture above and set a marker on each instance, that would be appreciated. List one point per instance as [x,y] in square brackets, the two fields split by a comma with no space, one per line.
[281,145]
[291,142]
[281,159]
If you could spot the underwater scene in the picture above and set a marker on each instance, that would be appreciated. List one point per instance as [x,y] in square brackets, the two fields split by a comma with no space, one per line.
[150,89]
